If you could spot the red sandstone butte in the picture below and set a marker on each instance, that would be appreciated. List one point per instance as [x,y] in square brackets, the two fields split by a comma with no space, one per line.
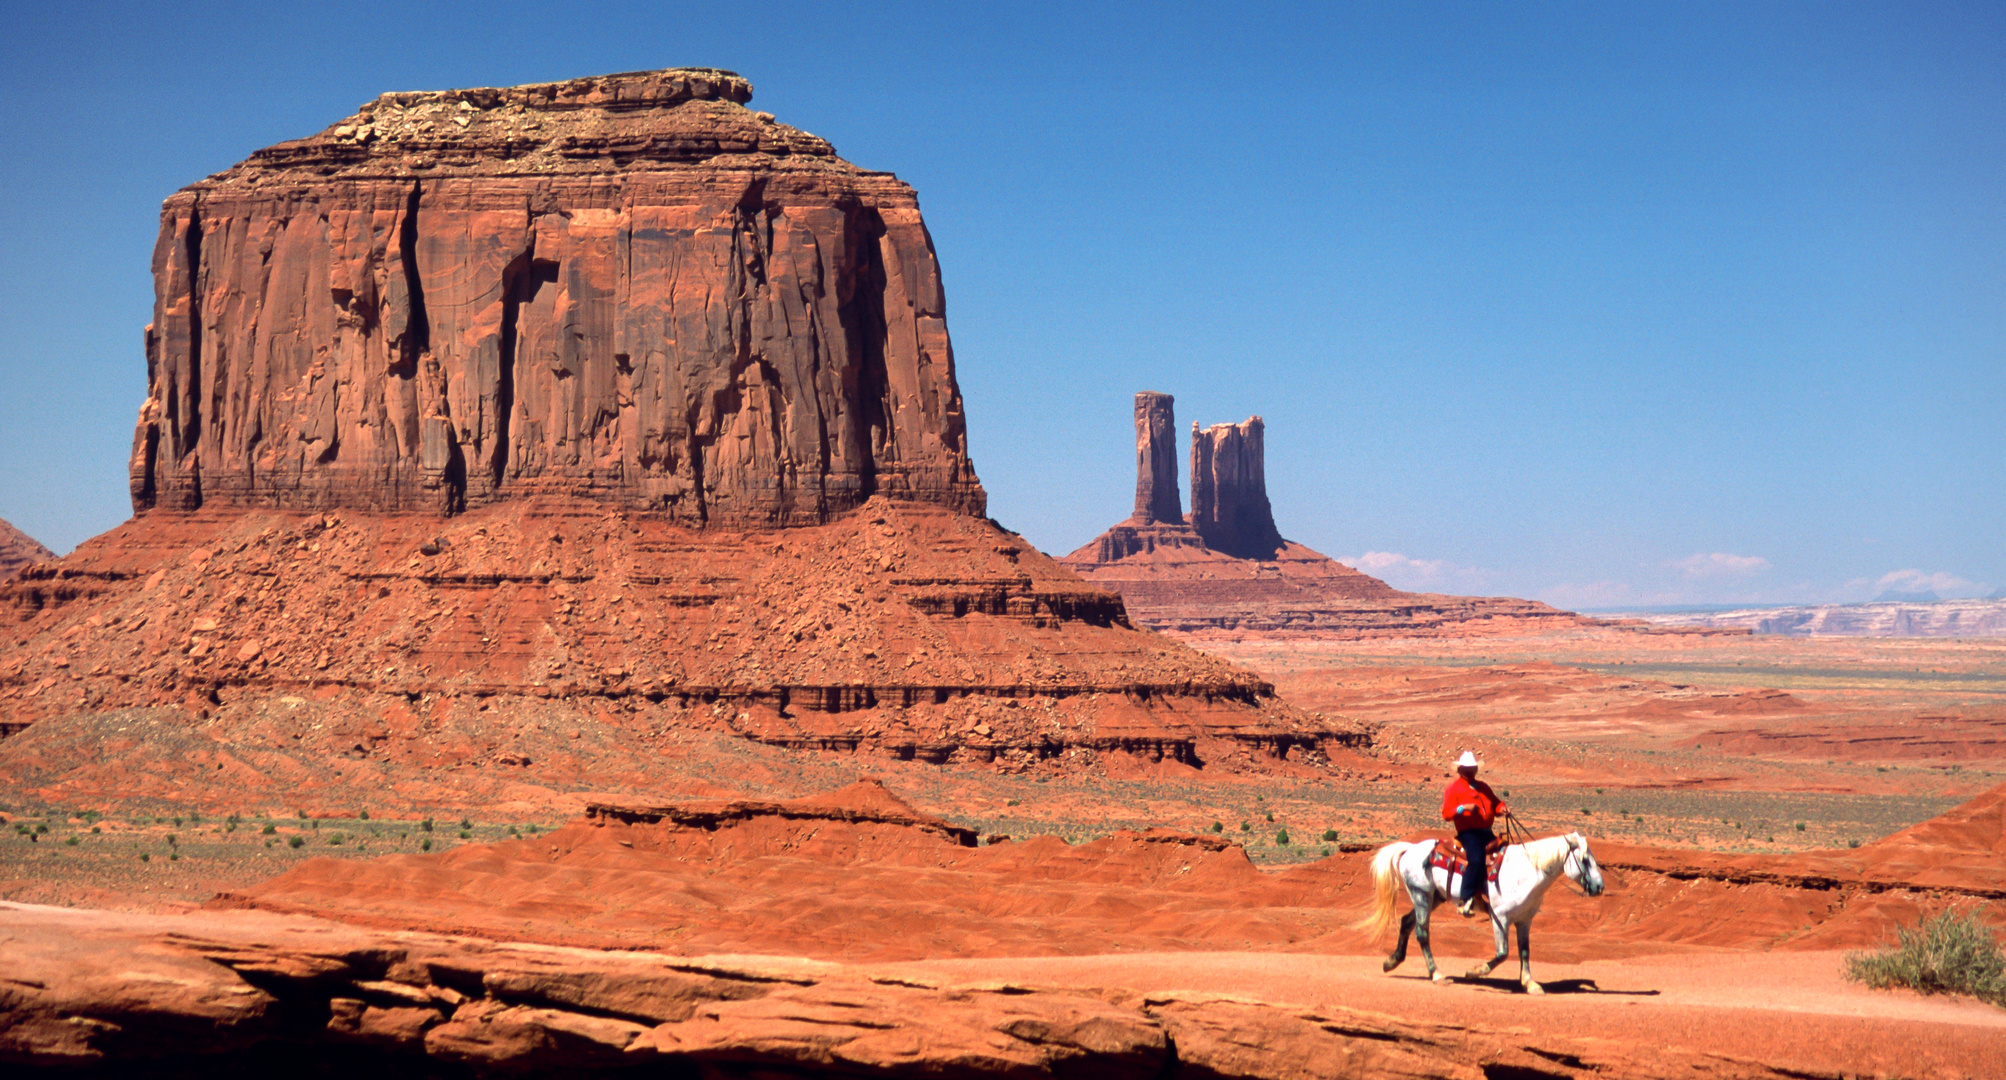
[1225,568]
[606,406]
[18,550]
[629,288]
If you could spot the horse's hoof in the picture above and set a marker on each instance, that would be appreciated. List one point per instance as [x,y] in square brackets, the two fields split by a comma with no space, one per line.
[1534,988]
[1440,979]
[1389,965]
[1477,972]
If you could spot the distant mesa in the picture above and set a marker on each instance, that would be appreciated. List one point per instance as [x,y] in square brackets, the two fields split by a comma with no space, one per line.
[1879,618]
[1898,596]
[609,403]
[1225,568]
[18,550]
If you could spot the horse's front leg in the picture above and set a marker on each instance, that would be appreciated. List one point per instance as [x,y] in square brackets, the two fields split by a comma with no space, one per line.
[1400,949]
[1524,958]
[1421,913]
[1499,930]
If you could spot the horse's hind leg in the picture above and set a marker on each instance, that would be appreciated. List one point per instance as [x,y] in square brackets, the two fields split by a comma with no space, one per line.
[1400,950]
[1422,906]
[1524,959]
[1500,931]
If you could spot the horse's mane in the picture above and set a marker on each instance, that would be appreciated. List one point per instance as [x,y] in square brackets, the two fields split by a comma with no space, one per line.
[1547,852]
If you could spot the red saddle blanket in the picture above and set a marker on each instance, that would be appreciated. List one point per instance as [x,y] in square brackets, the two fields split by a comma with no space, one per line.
[1449,856]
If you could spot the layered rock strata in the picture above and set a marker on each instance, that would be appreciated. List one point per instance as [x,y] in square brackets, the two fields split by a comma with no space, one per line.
[1227,569]
[629,288]
[899,630]
[18,550]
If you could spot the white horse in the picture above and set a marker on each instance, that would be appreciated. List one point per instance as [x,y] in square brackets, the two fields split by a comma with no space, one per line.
[1528,870]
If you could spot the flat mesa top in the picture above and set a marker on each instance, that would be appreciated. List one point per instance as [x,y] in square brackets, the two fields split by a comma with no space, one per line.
[644,121]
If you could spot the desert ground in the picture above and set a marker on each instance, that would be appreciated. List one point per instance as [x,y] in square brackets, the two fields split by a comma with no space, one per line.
[1743,794]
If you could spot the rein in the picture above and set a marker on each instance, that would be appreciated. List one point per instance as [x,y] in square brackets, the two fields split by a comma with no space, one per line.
[1516,832]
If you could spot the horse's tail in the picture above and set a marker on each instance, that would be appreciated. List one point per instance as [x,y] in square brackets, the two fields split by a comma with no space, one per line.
[1385,890]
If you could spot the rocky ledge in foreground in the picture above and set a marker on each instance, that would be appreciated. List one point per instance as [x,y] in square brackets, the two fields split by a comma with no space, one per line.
[92,993]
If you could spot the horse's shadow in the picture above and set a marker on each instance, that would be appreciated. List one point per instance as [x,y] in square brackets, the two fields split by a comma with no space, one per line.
[1558,986]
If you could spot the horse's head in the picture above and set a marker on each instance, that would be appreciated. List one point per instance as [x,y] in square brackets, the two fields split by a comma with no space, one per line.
[1580,866]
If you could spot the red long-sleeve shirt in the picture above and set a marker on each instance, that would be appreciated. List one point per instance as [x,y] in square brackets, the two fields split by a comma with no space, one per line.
[1484,804]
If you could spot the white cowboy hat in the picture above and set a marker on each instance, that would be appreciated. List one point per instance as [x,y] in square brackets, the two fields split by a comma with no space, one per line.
[1467,761]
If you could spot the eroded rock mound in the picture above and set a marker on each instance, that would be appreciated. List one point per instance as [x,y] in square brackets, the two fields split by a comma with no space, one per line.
[406,642]
[18,550]
[629,288]
[1225,568]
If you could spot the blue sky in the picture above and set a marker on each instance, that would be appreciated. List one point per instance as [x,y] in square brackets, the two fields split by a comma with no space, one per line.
[1604,304]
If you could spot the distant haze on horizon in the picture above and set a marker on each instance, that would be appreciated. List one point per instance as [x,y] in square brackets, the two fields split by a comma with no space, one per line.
[1609,306]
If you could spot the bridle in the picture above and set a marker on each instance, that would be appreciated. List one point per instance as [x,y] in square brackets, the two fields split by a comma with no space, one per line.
[1584,863]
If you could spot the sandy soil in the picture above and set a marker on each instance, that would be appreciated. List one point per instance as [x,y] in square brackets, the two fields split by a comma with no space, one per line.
[1792,1010]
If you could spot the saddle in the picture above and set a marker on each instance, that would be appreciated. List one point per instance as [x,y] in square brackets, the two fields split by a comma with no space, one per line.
[1449,856]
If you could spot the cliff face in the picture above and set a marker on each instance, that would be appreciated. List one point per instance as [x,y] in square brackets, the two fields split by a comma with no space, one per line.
[629,288]
[1156,501]
[1229,490]
[18,549]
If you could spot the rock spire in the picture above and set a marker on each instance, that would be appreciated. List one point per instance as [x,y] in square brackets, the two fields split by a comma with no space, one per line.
[1156,500]
[628,288]
[1229,490]
[1225,569]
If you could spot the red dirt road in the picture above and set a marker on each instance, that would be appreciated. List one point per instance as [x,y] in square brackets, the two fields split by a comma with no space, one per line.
[1791,1010]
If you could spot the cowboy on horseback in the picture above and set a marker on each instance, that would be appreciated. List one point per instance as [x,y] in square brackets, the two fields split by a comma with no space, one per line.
[1473,806]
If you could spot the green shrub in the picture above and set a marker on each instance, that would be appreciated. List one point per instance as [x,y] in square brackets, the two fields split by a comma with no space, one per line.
[270,829]
[72,841]
[426,845]
[1218,826]
[1329,836]
[426,824]
[296,842]
[1948,954]
[1281,838]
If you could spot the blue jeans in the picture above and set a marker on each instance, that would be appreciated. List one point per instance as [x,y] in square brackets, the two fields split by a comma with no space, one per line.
[1476,845]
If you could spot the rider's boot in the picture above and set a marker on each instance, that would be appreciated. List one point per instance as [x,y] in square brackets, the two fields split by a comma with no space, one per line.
[1467,908]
